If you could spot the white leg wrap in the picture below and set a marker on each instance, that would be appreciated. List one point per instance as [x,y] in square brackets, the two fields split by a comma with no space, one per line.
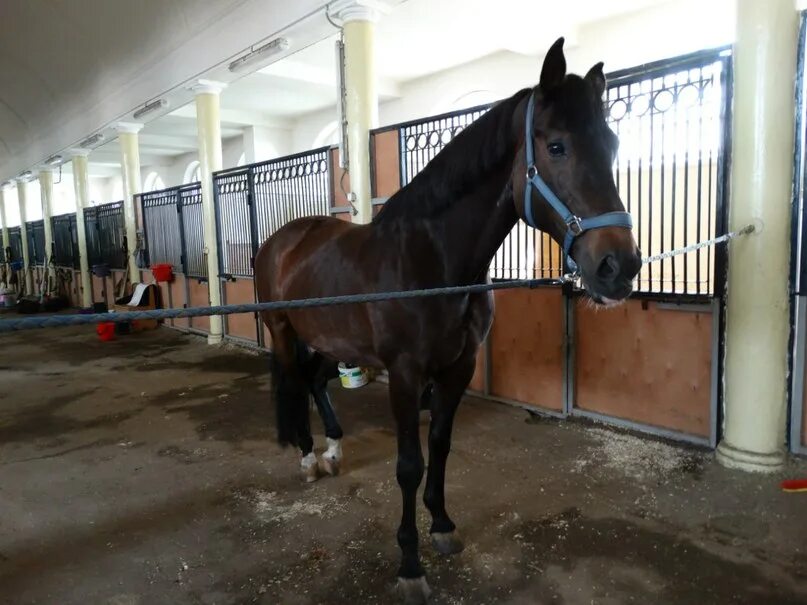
[332,457]
[309,467]
[334,451]
[308,461]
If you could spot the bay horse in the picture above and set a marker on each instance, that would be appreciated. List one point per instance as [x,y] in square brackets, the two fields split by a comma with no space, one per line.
[517,161]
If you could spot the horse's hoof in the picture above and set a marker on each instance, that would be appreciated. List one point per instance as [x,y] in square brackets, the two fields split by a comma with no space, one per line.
[309,469]
[414,591]
[329,466]
[447,543]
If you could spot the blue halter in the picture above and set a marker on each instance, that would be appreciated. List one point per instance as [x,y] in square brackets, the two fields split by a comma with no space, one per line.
[575,226]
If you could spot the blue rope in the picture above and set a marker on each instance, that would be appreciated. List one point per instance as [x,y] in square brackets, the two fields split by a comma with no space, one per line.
[51,321]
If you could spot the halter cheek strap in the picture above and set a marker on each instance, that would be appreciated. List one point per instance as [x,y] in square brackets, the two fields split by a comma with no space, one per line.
[575,226]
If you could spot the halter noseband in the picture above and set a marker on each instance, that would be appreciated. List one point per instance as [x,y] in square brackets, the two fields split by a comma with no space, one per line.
[575,225]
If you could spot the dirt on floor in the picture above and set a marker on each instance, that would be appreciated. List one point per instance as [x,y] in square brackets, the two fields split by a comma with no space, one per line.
[144,471]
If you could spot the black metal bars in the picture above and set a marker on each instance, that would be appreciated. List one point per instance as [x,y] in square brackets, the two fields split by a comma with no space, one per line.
[105,232]
[65,241]
[15,243]
[174,230]
[254,201]
[671,118]
[192,231]
[36,242]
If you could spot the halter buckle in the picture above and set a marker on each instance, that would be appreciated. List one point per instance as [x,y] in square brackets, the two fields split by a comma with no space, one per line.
[531,172]
[573,223]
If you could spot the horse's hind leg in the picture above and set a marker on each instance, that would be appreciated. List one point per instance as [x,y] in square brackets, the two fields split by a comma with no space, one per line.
[405,387]
[291,394]
[325,370]
[449,387]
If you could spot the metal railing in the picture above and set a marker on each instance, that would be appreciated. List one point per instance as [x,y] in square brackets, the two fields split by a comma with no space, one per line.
[173,229]
[672,118]
[254,201]
[106,239]
[15,243]
[65,241]
[193,231]
[36,242]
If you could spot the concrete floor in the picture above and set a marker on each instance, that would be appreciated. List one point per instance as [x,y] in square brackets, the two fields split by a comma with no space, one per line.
[144,471]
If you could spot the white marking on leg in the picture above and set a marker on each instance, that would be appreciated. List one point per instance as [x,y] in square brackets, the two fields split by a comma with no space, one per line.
[415,591]
[332,457]
[334,451]
[309,467]
[308,461]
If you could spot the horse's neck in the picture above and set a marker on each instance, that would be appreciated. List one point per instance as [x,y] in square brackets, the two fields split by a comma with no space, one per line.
[473,229]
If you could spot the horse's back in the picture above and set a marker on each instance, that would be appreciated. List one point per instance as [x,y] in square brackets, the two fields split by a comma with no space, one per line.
[303,248]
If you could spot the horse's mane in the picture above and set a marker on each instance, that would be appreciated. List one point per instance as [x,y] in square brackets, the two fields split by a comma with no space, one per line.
[464,162]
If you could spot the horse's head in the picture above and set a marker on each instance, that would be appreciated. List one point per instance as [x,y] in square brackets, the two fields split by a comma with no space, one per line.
[572,153]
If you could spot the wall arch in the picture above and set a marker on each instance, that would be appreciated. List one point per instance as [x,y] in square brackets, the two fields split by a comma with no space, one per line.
[193,172]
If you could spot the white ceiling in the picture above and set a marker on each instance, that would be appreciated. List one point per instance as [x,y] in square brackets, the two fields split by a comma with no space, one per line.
[101,59]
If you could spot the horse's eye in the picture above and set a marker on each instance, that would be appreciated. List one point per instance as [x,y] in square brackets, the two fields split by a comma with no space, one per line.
[556,149]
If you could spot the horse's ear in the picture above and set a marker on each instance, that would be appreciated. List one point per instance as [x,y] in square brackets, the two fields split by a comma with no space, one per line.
[596,77]
[554,69]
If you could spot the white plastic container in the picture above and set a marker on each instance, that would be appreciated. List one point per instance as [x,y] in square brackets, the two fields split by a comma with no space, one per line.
[352,377]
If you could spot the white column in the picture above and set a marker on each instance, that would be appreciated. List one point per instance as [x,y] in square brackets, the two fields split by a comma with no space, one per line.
[81,190]
[6,239]
[757,307]
[130,168]
[208,124]
[46,188]
[358,18]
[22,197]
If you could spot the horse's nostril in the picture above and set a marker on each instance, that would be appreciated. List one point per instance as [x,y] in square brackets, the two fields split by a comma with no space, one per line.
[609,267]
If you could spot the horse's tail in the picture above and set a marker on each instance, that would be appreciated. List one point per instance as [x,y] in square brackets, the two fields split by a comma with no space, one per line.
[291,394]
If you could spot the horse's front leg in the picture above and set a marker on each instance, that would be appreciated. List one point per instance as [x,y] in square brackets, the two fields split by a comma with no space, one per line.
[406,383]
[449,387]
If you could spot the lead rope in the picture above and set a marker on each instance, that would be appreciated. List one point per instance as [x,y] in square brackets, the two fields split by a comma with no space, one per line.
[747,230]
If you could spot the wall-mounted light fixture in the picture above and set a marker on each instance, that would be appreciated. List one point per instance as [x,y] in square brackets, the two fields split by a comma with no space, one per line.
[150,107]
[92,140]
[274,47]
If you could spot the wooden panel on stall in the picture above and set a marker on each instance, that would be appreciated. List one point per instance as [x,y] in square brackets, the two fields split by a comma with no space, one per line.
[527,347]
[178,299]
[645,363]
[98,286]
[242,325]
[113,286]
[267,337]
[386,163]
[147,277]
[199,297]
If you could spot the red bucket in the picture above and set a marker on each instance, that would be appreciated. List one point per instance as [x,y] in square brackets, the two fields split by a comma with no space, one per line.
[162,272]
[106,331]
